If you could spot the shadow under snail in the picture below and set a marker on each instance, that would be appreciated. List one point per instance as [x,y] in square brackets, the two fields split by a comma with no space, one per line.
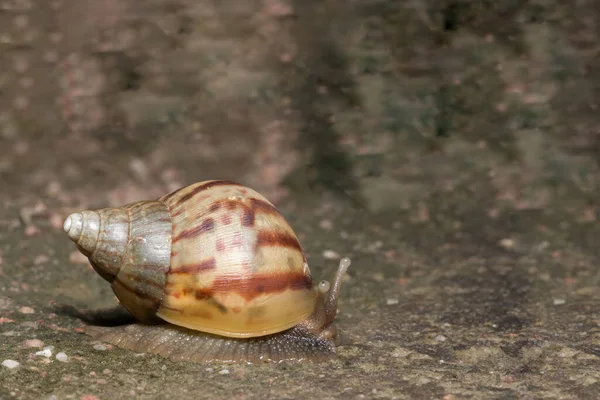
[212,272]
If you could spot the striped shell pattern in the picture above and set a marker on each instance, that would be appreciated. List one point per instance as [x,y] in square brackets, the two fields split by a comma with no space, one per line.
[214,256]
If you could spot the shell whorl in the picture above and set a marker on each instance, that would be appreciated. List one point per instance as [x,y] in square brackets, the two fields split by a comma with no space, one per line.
[130,247]
[237,268]
[214,256]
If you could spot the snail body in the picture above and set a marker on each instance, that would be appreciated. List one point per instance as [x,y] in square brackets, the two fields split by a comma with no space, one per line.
[211,272]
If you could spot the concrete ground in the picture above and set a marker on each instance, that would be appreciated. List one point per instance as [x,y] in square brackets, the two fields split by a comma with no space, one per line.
[450,148]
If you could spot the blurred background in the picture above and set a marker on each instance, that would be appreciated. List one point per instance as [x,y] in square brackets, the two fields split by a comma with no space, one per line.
[451,148]
[360,98]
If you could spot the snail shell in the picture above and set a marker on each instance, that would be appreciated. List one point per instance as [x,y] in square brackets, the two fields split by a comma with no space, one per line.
[219,264]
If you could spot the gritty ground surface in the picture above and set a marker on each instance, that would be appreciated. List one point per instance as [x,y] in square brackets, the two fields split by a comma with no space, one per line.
[450,148]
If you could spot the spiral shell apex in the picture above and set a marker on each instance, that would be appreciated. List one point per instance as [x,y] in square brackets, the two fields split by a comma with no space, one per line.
[129,247]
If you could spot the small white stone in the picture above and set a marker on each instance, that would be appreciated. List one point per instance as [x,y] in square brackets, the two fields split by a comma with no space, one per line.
[10,364]
[331,255]
[391,302]
[100,347]
[559,302]
[224,372]
[44,353]
[62,357]
[507,243]
[440,338]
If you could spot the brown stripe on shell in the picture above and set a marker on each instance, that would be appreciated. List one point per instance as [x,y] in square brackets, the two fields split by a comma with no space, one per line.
[232,204]
[277,239]
[255,205]
[206,226]
[248,211]
[196,190]
[259,284]
[199,294]
[178,212]
[249,287]
[248,217]
[203,294]
[205,265]
[263,207]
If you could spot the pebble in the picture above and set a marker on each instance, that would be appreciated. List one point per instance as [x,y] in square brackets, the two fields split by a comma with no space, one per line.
[224,372]
[391,302]
[440,338]
[331,255]
[31,230]
[138,167]
[507,243]
[56,221]
[62,357]
[326,225]
[558,302]
[10,364]
[26,310]
[47,352]
[34,343]
[100,347]
[88,397]
[41,259]
[400,352]
[5,303]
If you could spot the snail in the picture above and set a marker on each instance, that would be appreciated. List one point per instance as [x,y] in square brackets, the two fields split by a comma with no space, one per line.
[211,272]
